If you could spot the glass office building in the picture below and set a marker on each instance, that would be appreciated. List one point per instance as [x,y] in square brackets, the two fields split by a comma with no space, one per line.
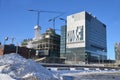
[63,41]
[86,38]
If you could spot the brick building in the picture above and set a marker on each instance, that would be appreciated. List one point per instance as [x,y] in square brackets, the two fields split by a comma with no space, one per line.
[23,51]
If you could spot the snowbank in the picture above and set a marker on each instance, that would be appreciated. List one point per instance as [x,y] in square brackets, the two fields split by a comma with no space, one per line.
[16,67]
[5,77]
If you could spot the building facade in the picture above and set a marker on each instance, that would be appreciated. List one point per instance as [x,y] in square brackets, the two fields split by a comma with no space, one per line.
[46,45]
[23,51]
[86,38]
[63,41]
[49,45]
[117,52]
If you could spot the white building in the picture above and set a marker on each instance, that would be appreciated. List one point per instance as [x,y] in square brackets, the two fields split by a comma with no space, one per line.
[38,35]
[86,38]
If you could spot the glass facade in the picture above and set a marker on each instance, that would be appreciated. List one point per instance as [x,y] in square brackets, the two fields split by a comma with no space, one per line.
[96,43]
[86,38]
[63,41]
[76,53]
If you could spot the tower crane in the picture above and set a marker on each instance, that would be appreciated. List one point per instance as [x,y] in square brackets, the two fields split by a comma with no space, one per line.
[37,28]
[40,11]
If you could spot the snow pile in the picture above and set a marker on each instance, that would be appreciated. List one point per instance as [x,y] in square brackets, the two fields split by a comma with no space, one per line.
[16,67]
[5,77]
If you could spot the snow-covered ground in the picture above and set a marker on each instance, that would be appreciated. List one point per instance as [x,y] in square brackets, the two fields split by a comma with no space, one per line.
[15,67]
[88,74]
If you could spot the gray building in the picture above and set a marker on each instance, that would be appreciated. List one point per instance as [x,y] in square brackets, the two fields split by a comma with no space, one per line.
[86,38]
[117,52]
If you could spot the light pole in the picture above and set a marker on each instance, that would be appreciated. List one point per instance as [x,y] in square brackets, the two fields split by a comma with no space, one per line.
[54,19]
[5,39]
[64,20]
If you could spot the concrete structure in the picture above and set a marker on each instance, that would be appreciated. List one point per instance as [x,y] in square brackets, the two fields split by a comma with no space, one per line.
[37,31]
[46,45]
[86,38]
[117,52]
[49,45]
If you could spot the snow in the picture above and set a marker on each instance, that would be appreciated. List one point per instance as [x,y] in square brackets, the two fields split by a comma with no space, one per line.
[14,67]
[5,77]
[88,74]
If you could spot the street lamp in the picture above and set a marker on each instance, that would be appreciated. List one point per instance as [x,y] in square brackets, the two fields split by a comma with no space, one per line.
[54,19]
[5,39]
[64,20]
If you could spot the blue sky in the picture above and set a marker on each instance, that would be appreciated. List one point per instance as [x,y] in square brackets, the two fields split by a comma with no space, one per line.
[16,21]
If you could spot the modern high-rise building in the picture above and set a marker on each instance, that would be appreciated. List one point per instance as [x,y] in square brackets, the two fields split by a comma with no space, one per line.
[86,38]
[117,52]
[63,41]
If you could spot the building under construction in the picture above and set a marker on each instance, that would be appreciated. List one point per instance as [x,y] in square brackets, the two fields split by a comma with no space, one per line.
[47,45]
